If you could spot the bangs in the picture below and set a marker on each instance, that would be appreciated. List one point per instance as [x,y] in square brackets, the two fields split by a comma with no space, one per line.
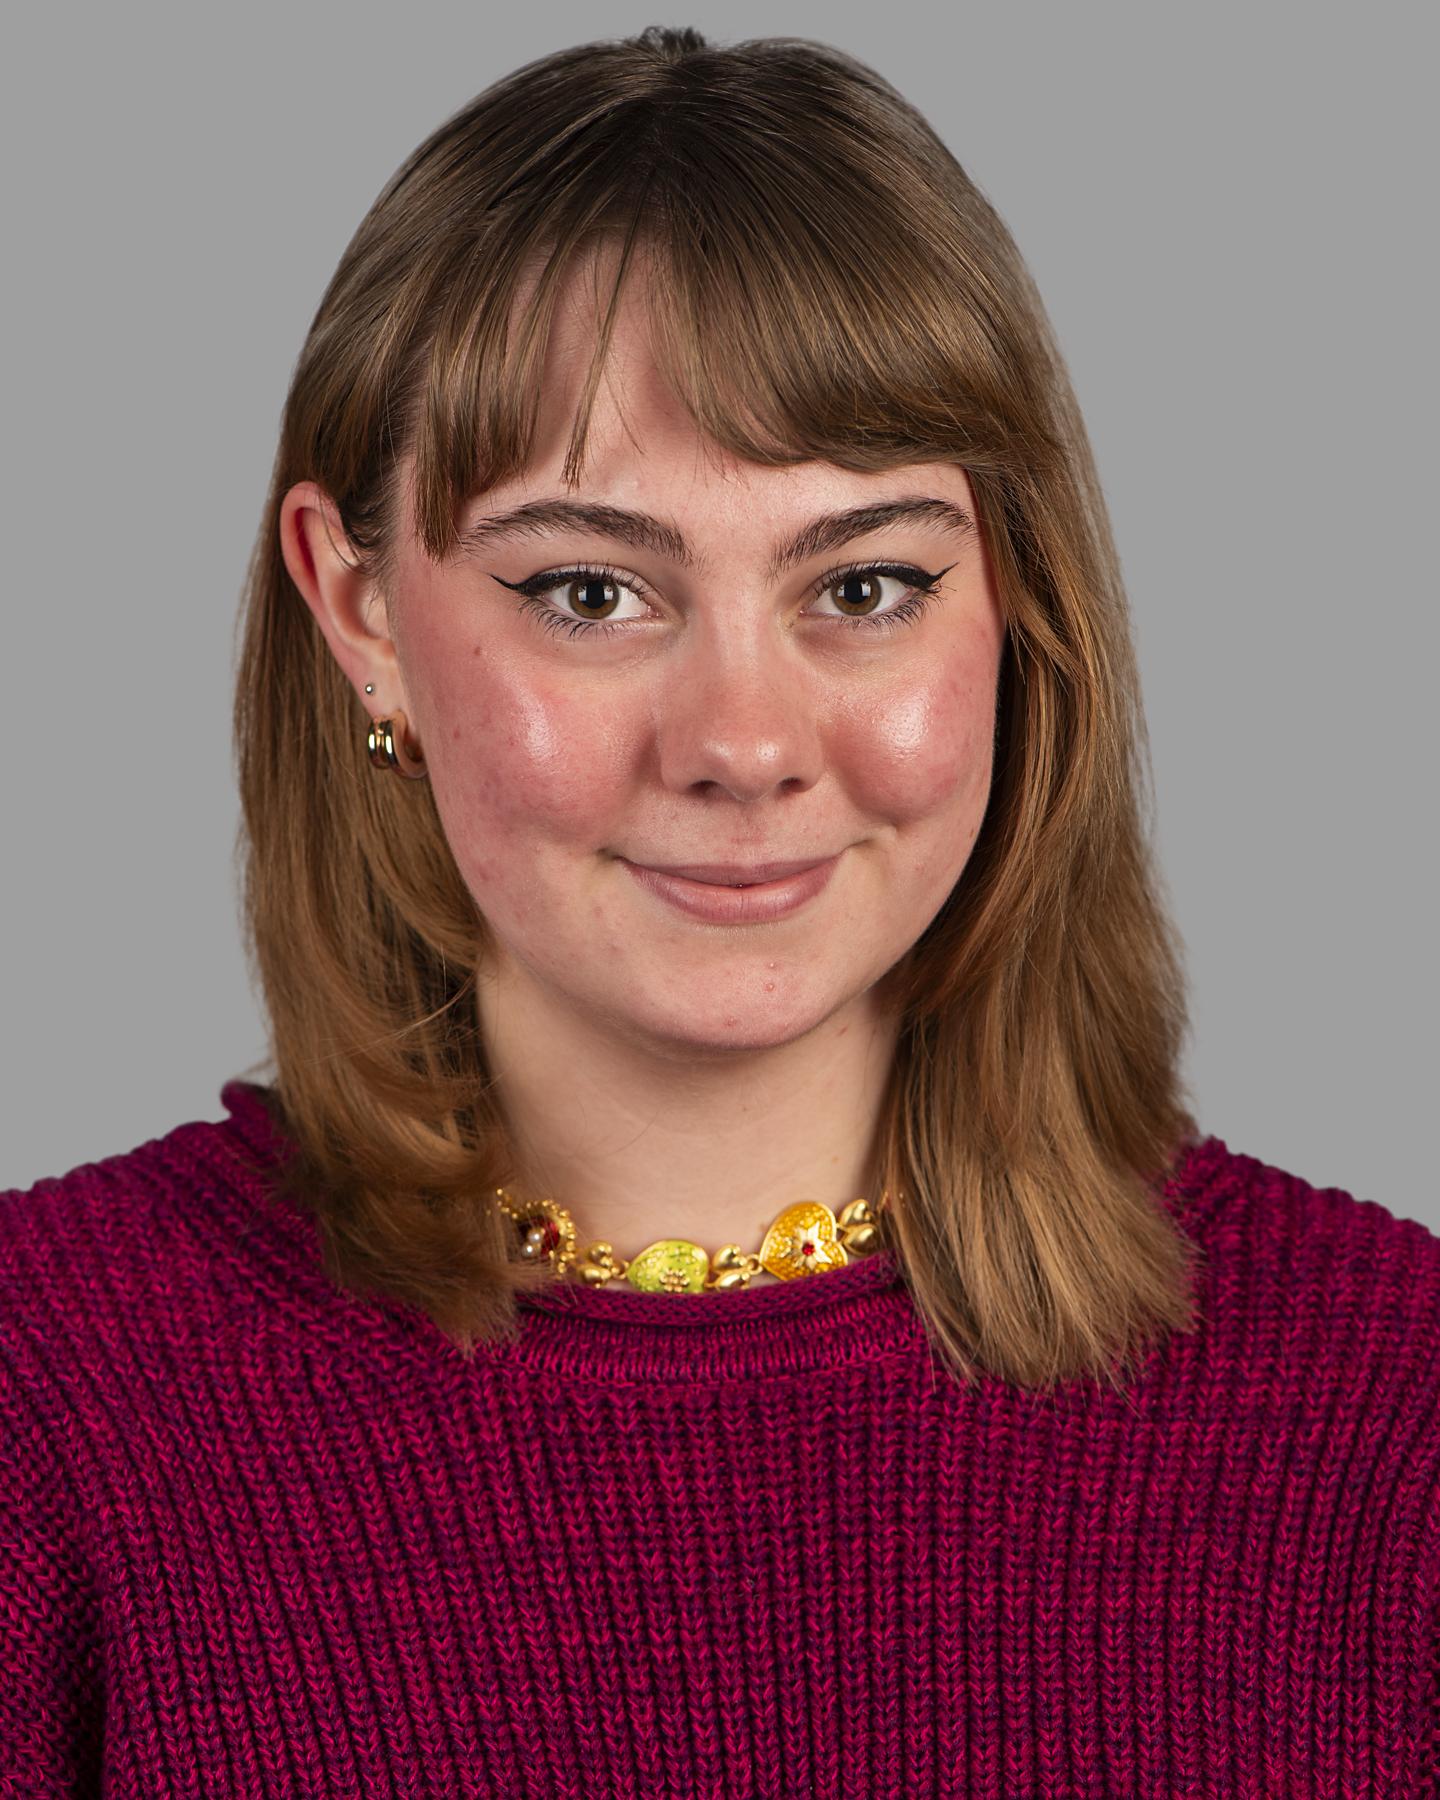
[806,301]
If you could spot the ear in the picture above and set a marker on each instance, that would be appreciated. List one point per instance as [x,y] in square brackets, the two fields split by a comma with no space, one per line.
[347,607]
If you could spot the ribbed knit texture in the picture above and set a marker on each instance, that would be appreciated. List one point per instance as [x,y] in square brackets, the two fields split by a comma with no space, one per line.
[262,1537]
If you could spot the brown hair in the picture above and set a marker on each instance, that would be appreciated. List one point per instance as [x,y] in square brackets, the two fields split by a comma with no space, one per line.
[836,288]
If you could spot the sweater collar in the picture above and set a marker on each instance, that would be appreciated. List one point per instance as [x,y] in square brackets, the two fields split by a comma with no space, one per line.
[857,1313]
[860,1313]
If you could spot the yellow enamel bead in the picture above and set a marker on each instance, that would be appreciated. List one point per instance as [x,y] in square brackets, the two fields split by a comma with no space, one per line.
[802,1241]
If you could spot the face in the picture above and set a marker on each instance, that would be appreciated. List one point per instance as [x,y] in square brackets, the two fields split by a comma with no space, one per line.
[685,701]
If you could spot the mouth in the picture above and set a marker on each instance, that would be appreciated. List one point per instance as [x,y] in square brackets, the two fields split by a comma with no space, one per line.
[733,875]
[733,893]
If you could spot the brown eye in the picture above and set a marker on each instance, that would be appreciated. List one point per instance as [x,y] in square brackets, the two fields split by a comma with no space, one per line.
[593,596]
[587,599]
[858,592]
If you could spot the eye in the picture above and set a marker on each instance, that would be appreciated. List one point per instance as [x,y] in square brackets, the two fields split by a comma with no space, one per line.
[589,596]
[861,586]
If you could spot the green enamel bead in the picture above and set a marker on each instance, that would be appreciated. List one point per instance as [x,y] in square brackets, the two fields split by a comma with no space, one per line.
[671,1266]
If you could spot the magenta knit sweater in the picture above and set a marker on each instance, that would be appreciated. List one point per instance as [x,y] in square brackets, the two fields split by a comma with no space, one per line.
[261,1537]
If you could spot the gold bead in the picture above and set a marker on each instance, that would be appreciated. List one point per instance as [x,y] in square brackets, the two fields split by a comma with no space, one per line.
[599,1263]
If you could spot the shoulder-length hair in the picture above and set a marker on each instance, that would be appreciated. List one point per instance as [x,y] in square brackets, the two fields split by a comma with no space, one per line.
[833,287]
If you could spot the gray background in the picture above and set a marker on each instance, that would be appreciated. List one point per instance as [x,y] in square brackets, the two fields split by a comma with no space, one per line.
[1227,212]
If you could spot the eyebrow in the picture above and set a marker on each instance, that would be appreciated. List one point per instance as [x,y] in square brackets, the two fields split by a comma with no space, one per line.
[645,532]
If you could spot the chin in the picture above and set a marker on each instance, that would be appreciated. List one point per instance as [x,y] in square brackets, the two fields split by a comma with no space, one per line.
[749,1026]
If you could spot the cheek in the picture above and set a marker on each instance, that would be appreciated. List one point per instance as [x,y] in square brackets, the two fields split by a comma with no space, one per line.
[921,747]
[520,761]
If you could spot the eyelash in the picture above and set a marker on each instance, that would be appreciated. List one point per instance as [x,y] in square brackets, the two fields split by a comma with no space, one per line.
[924,589]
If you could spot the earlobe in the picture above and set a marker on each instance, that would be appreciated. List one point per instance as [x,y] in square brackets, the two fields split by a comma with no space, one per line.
[341,595]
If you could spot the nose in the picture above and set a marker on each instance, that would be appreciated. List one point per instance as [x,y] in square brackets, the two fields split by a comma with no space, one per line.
[741,719]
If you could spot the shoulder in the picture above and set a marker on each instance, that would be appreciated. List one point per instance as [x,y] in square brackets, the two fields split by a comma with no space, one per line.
[134,1241]
[1270,1220]
[1311,1288]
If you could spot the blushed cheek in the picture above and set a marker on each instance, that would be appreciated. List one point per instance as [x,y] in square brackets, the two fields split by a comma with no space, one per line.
[922,748]
[522,763]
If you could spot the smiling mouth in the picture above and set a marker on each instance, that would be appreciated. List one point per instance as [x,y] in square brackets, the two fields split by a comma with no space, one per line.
[733,875]
[736,902]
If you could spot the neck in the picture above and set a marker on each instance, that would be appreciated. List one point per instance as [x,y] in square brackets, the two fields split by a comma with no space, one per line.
[641,1140]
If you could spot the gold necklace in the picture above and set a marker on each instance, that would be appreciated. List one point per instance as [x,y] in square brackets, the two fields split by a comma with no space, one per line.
[805,1239]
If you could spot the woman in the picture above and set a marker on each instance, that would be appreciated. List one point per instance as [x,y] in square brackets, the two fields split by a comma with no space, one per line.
[723,1293]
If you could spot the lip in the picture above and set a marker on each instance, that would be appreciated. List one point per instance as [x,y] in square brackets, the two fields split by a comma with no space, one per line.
[721,904]
[736,874]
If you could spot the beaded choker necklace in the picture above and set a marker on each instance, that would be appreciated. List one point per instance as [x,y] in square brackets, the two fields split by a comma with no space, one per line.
[805,1239]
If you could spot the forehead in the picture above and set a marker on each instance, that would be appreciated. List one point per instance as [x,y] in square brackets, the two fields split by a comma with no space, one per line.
[645,450]
[634,415]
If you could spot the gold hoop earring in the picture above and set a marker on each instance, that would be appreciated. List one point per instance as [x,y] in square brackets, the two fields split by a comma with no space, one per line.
[385,742]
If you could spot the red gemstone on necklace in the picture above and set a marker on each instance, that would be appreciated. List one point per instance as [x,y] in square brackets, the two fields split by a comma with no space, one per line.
[807,1249]
[550,1237]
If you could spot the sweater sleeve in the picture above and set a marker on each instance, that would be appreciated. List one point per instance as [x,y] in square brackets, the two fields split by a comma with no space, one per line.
[51,1702]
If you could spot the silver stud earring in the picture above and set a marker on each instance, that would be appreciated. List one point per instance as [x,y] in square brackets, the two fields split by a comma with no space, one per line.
[369,687]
